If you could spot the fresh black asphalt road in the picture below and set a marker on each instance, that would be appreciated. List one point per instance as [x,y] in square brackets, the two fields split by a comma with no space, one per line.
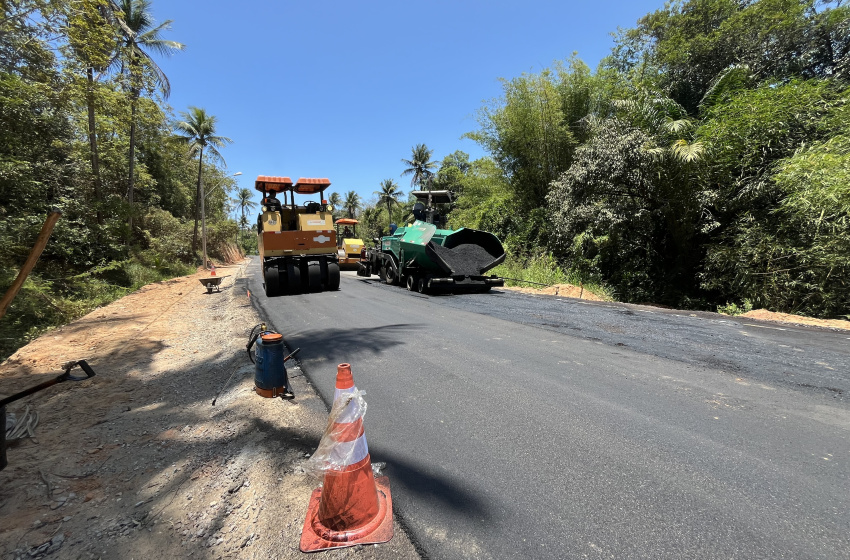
[519,426]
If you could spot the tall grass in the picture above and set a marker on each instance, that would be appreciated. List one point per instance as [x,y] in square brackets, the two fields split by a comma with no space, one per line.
[543,270]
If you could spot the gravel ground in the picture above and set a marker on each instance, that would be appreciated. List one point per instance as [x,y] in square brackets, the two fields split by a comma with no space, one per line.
[137,462]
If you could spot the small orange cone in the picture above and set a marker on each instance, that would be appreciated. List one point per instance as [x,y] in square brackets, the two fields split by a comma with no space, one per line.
[212,270]
[352,507]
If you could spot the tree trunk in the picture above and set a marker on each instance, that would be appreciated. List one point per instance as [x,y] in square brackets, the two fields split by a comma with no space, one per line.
[95,160]
[132,162]
[197,203]
[203,225]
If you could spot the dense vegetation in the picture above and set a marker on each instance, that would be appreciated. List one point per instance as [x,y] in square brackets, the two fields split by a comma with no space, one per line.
[85,129]
[705,163]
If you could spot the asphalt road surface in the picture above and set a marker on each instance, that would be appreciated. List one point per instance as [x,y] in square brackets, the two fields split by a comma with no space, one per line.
[516,426]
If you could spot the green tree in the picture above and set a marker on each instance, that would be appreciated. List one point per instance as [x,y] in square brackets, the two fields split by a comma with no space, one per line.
[389,196]
[753,130]
[336,201]
[452,170]
[197,131]
[683,47]
[534,129]
[352,203]
[627,211]
[139,35]
[370,223]
[92,39]
[27,28]
[773,177]
[419,166]
[528,136]
[798,259]
[485,201]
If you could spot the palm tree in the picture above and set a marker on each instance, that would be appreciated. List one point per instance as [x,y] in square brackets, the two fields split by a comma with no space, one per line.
[389,195]
[138,36]
[198,133]
[335,201]
[420,166]
[666,121]
[352,203]
[244,202]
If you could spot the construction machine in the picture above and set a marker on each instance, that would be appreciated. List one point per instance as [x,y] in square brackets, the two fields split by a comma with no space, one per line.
[348,243]
[423,257]
[297,242]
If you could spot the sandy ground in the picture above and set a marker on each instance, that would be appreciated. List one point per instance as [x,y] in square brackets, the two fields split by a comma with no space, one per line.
[578,292]
[137,463]
[766,315]
[563,290]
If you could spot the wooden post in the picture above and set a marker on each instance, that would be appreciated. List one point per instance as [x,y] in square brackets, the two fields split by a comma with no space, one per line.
[35,253]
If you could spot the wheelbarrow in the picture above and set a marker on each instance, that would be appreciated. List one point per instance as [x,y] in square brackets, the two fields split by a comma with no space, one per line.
[211,283]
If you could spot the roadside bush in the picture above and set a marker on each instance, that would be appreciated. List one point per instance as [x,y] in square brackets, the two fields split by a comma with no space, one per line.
[544,269]
[221,239]
[167,238]
[735,309]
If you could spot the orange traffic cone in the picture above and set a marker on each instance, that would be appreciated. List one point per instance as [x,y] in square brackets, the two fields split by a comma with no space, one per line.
[212,270]
[352,507]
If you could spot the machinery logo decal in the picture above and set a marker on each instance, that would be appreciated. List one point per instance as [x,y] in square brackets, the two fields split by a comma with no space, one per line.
[321,239]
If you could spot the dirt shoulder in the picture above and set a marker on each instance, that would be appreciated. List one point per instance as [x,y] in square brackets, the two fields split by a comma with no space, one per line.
[136,462]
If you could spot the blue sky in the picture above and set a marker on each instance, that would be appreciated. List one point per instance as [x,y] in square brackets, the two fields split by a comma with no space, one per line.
[344,89]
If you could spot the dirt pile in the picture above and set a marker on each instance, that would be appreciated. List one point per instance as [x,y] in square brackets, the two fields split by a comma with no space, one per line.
[136,462]
[765,315]
[563,290]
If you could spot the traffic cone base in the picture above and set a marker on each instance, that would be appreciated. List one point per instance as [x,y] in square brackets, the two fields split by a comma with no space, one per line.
[316,536]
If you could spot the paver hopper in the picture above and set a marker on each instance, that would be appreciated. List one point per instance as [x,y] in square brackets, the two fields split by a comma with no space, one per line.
[422,257]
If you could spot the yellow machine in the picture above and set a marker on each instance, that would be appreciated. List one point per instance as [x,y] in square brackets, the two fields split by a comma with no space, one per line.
[348,244]
[297,242]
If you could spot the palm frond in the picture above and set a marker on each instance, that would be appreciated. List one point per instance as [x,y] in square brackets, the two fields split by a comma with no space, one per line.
[678,125]
[733,78]
[687,152]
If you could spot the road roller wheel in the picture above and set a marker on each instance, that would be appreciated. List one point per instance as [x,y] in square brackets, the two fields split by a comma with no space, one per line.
[272,280]
[314,277]
[333,276]
[293,276]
